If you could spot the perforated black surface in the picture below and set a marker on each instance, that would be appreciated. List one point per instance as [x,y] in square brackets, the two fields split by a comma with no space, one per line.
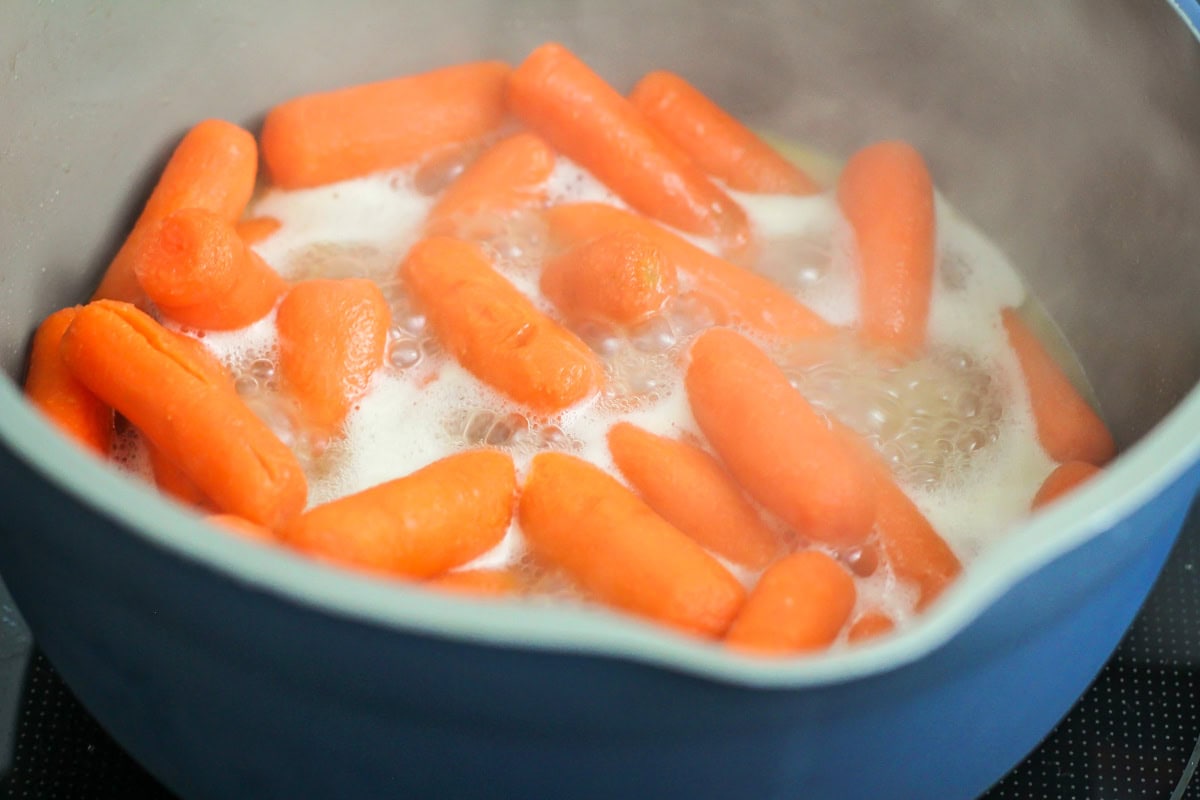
[1133,736]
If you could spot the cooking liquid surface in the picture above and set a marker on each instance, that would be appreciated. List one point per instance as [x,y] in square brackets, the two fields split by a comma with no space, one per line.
[955,424]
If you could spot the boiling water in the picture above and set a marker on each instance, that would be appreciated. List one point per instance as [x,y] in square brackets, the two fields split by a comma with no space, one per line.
[955,424]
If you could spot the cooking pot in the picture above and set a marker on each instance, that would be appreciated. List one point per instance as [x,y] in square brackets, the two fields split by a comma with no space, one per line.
[1070,131]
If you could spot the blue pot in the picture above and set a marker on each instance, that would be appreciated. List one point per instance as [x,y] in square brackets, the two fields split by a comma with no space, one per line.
[233,669]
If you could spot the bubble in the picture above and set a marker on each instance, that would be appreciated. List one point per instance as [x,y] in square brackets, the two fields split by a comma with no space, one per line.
[504,430]
[479,424]
[262,368]
[862,561]
[443,168]
[654,335]
[413,323]
[601,338]
[795,262]
[404,353]
[691,313]
[245,385]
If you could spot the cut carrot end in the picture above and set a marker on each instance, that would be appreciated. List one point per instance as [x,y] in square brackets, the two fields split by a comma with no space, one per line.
[1064,479]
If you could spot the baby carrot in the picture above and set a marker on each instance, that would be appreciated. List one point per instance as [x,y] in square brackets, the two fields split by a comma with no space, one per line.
[55,392]
[346,133]
[494,331]
[617,549]
[508,177]
[332,338]
[240,525]
[145,373]
[718,143]
[747,299]
[417,526]
[479,582]
[622,277]
[775,444]
[886,195]
[799,605]
[1065,478]
[689,489]
[213,168]
[1067,426]
[870,624]
[198,272]
[172,481]
[256,229]
[583,117]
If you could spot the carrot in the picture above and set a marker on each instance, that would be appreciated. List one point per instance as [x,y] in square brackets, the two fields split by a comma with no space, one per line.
[775,444]
[886,195]
[213,168]
[197,271]
[256,229]
[689,489]
[718,143]
[55,392]
[479,582]
[172,481]
[746,298]
[159,384]
[870,624]
[417,526]
[494,331]
[583,117]
[799,605]
[1067,426]
[617,549]
[1065,478]
[346,133]
[621,277]
[242,526]
[332,338]
[508,177]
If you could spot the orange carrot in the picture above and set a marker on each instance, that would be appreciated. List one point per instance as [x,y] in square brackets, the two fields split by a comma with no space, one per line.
[886,195]
[145,372]
[1065,478]
[334,136]
[870,624]
[418,526]
[494,331]
[1067,426]
[242,526]
[621,277]
[213,168]
[508,177]
[55,392]
[717,142]
[689,489]
[558,96]
[479,582]
[172,481]
[799,605]
[775,444]
[746,298]
[198,271]
[617,549]
[256,229]
[332,338]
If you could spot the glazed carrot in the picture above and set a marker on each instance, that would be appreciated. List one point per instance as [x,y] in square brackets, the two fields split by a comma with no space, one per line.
[1065,478]
[332,338]
[1067,426]
[617,549]
[718,143]
[508,177]
[479,582]
[621,277]
[256,229]
[746,298]
[213,168]
[799,605]
[494,331]
[172,481]
[776,446]
[198,272]
[346,133]
[689,489]
[55,392]
[418,526]
[886,195]
[583,117]
[242,526]
[870,624]
[144,372]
